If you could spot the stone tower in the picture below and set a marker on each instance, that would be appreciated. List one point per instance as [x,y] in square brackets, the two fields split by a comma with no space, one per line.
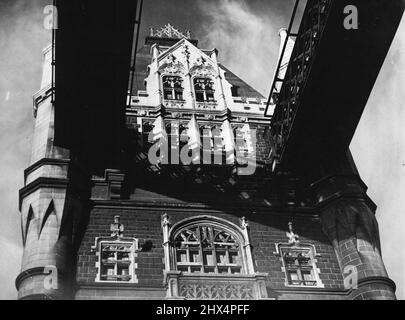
[195,211]
[51,202]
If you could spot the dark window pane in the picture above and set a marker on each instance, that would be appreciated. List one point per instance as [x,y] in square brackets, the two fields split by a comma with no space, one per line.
[235,91]
[168,94]
[172,88]
[210,96]
[199,96]
[179,95]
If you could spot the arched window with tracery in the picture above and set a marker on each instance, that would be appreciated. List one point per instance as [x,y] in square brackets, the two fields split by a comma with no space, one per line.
[209,245]
[204,90]
[208,257]
[208,249]
[172,88]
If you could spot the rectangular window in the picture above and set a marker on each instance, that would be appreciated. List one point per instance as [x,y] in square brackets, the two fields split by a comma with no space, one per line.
[172,88]
[299,266]
[204,90]
[116,262]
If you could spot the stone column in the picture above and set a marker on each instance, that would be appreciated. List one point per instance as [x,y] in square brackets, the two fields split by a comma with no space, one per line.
[348,220]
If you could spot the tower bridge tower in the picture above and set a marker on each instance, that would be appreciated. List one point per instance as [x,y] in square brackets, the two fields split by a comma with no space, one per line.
[196,208]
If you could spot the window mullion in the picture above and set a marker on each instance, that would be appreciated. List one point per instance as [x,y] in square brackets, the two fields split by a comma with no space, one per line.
[116,264]
[300,277]
[188,257]
[214,251]
[209,250]
[227,261]
[202,268]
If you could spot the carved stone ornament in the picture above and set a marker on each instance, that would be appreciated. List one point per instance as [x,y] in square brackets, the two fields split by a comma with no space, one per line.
[168,31]
[117,228]
[293,238]
[165,220]
[202,69]
[174,104]
[243,223]
[217,291]
[172,66]
[186,52]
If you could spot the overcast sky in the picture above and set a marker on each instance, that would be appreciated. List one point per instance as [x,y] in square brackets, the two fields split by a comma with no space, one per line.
[245,33]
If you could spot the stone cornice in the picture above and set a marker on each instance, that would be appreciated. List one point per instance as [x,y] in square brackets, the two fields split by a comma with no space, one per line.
[29,273]
[328,177]
[42,182]
[44,161]
[155,111]
[373,280]
[193,208]
[333,188]
[320,291]
[41,96]
[118,286]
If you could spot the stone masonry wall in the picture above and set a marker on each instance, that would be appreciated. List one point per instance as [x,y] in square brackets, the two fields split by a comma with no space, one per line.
[266,229]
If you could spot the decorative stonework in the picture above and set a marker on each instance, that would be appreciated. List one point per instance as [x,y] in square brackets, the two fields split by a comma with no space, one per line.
[206,287]
[174,104]
[172,66]
[216,291]
[117,228]
[293,238]
[298,261]
[168,31]
[243,223]
[206,106]
[165,220]
[186,52]
[203,69]
[227,274]
[116,256]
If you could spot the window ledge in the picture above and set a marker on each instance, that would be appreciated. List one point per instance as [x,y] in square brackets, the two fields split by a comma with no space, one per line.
[174,100]
[218,276]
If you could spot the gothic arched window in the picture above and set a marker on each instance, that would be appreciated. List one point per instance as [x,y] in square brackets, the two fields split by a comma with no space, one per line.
[210,248]
[204,90]
[207,257]
[172,88]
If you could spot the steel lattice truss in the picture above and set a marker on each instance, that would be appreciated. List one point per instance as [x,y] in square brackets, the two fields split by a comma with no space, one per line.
[287,101]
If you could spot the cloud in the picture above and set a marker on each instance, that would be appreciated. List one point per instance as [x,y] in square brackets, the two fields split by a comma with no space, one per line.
[247,41]
[247,38]
[10,267]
